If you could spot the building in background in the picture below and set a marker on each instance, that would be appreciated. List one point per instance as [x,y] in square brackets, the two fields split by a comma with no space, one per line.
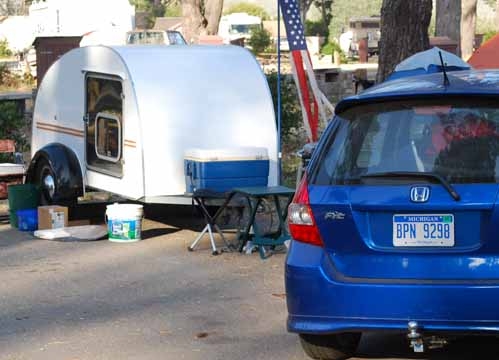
[78,17]
[361,28]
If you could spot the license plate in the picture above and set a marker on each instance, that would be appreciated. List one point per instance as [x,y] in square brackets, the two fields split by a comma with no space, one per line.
[423,230]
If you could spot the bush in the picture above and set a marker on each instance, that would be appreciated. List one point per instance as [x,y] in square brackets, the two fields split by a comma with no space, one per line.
[11,81]
[4,49]
[248,8]
[259,40]
[331,47]
[489,35]
[314,28]
[174,10]
[12,126]
[292,131]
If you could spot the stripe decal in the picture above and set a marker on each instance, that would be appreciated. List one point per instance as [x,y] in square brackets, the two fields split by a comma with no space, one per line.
[59,129]
[130,143]
[73,132]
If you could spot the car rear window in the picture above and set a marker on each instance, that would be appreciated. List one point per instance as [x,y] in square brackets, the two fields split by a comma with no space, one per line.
[456,138]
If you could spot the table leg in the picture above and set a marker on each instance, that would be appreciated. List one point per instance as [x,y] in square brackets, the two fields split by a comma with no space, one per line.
[251,222]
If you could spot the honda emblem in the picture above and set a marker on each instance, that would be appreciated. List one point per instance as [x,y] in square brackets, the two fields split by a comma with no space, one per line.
[420,194]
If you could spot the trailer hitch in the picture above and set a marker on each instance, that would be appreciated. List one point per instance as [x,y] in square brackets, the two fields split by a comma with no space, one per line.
[418,342]
[415,337]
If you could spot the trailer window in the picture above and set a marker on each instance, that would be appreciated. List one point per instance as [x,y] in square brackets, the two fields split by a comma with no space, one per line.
[104,124]
[107,137]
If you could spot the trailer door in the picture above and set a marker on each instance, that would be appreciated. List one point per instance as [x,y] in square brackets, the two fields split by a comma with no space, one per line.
[104,124]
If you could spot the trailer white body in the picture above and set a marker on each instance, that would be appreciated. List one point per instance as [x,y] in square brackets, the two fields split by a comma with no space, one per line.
[172,98]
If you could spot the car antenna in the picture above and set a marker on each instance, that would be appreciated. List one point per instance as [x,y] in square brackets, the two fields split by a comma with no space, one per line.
[446,78]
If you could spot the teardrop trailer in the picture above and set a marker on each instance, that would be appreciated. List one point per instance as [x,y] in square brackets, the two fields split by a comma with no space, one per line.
[120,119]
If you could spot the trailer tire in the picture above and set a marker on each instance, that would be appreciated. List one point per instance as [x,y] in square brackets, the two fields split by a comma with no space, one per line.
[46,180]
[55,169]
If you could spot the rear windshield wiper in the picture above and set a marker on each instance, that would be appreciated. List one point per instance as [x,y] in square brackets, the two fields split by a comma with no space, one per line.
[410,174]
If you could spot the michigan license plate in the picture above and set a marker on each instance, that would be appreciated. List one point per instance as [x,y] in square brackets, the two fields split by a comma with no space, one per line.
[423,230]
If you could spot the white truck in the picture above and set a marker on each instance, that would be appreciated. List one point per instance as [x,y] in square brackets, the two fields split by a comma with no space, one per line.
[238,25]
[120,119]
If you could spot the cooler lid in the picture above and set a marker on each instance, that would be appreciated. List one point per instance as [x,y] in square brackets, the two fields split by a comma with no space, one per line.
[228,154]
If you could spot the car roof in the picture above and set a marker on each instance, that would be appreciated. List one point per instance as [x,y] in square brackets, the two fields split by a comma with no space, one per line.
[467,82]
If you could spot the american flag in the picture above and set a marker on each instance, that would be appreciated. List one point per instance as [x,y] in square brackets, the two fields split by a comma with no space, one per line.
[301,65]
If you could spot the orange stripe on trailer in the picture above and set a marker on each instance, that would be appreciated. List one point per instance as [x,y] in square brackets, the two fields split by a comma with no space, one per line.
[130,143]
[59,129]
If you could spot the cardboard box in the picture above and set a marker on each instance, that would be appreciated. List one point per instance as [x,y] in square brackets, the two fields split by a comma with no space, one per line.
[52,217]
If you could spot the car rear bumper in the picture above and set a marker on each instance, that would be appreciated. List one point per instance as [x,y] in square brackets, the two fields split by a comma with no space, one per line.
[318,302]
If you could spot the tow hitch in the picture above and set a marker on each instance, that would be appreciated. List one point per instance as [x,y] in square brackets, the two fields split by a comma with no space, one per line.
[418,342]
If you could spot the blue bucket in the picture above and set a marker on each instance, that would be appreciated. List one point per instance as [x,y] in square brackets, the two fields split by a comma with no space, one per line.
[27,219]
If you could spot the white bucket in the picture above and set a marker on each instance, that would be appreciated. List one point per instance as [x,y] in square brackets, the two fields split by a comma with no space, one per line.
[124,222]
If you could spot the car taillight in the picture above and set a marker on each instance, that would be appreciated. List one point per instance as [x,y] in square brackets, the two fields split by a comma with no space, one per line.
[301,221]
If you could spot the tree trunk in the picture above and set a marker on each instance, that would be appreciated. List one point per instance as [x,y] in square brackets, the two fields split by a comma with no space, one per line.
[212,14]
[468,26]
[325,15]
[304,7]
[448,21]
[193,20]
[404,32]
[200,17]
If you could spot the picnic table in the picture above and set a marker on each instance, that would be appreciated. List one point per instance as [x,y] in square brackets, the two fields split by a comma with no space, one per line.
[254,197]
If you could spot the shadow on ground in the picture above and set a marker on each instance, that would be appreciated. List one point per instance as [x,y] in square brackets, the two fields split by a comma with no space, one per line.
[390,346]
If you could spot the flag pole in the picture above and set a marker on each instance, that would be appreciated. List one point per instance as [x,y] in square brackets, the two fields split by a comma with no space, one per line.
[279,152]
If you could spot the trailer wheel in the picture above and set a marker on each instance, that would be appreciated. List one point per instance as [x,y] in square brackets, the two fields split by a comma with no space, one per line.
[45,178]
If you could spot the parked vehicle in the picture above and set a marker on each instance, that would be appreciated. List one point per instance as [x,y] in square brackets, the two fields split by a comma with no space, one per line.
[361,28]
[395,223]
[155,37]
[119,119]
[238,25]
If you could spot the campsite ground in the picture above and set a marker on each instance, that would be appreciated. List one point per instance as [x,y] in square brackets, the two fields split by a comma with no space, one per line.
[154,300]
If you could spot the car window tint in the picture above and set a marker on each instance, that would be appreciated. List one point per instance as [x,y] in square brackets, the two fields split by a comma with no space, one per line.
[453,137]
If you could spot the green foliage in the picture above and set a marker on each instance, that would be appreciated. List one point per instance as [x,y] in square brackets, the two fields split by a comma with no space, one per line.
[10,81]
[249,8]
[314,28]
[291,124]
[4,49]
[343,10]
[164,8]
[291,117]
[12,125]
[330,47]
[489,35]
[259,40]
[174,10]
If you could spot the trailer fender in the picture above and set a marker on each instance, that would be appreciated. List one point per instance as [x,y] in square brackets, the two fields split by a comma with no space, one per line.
[63,166]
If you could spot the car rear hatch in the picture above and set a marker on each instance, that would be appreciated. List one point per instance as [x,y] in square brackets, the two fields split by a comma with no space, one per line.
[407,190]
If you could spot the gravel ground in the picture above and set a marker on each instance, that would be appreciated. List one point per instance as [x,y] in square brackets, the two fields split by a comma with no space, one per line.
[146,300]
[154,300]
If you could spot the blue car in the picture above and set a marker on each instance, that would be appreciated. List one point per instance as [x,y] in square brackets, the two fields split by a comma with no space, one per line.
[395,224]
